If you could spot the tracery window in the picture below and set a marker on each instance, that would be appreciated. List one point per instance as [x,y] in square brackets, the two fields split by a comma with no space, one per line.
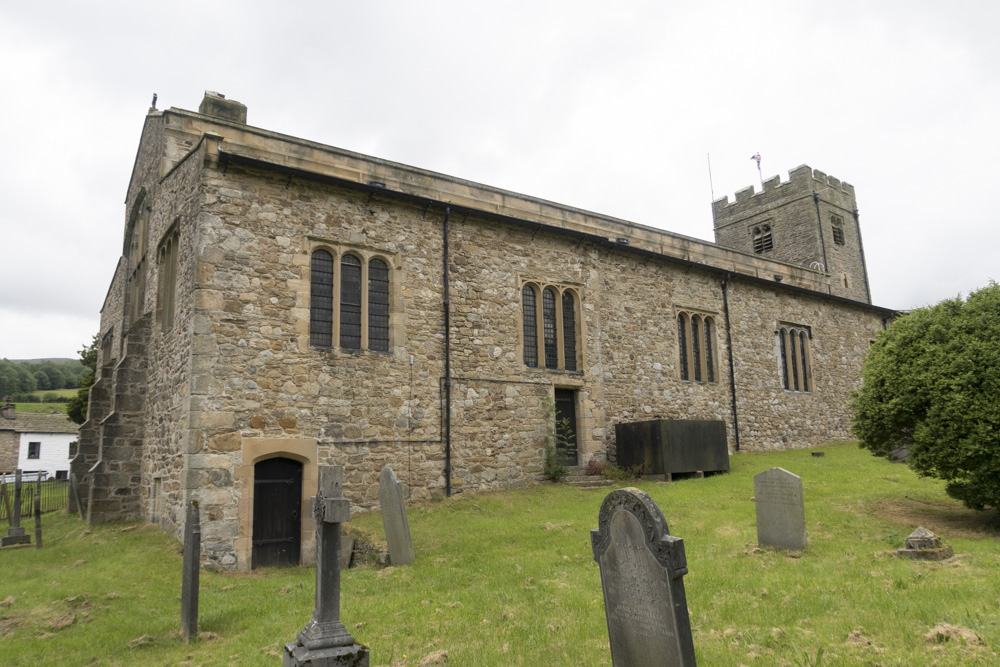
[794,348]
[550,317]
[349,301]
[762,239]
[697,347]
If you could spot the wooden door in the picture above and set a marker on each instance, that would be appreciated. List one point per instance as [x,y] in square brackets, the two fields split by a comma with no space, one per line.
[277,501]
[566,445]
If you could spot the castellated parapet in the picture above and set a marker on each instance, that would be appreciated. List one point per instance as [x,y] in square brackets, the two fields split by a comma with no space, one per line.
[810,220]
[802,181]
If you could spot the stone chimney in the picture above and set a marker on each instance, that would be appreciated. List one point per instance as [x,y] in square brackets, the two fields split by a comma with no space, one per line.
[7,410]
[216,105]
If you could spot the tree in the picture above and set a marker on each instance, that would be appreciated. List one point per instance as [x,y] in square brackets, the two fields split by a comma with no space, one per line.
[76,407]
[930,387]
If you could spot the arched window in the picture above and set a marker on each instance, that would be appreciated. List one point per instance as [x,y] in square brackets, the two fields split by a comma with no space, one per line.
[530,317]
[378,305]
[554,324]
[793,343]
[569,331]
[682,345]
[321,299]
[696,347]
[166,258]
[762,240]
[549,321]
[349,302]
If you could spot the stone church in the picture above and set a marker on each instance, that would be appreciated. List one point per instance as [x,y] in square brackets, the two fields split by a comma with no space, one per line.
[281,304]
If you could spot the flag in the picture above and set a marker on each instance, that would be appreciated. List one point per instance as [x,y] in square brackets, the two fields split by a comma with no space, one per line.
[756,156]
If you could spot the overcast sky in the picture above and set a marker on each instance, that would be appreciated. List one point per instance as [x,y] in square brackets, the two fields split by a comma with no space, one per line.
[608,106]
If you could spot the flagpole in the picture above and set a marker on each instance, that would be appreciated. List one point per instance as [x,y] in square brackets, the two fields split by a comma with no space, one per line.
[711,187]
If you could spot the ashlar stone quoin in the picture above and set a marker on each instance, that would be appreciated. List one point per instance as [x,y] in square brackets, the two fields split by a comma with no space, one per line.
[394,519]
[642,566]
[781,512]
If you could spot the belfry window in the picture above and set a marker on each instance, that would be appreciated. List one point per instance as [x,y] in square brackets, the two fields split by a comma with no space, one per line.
[549,317]
[762,240]
[349,301]
[796,365]
[837,223]
[696,347]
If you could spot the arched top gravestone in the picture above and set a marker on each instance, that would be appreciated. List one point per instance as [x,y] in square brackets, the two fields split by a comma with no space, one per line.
[642,569]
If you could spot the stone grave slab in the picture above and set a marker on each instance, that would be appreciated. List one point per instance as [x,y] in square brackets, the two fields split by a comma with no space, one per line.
[394,520]
[781,513]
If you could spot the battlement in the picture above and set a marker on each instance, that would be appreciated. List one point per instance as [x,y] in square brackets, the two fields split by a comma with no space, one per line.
[802,181]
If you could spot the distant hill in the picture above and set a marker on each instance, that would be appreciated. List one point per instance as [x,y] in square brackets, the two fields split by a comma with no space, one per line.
[38,361]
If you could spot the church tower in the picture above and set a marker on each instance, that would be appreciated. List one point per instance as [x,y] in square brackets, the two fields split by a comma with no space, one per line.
[811,221]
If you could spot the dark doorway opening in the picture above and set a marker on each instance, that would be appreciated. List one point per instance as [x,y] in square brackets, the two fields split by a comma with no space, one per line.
[566,443]
[277,501]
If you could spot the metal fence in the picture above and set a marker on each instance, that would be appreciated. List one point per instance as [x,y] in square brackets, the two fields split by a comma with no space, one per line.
[53,494]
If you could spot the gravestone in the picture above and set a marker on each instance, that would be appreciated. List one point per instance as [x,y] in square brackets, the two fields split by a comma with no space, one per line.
[325,642]
[781,512]
[397,526]
[191,573]
[15,534]
[922,544]
[642,566]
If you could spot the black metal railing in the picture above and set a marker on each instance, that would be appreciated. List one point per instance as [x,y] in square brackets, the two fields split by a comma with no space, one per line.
[52,493]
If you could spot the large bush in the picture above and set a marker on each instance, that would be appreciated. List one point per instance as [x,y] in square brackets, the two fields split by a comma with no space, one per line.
[932,387]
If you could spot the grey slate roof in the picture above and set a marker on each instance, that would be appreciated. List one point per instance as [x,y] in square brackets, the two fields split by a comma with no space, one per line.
[27,422]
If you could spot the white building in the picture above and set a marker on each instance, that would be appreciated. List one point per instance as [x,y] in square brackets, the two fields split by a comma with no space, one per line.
[41,442]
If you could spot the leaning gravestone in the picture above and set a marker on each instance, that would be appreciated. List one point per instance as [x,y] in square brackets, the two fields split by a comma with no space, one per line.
[781,512]
[325,641]
[397,526]
[642,566]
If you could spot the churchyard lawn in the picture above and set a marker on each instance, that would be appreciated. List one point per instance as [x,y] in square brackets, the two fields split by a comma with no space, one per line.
[509,579]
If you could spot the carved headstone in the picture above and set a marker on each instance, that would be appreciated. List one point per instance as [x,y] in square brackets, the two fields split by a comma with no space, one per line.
[397,526]
[15,534]
[642,566]
[781,513]
[325,641]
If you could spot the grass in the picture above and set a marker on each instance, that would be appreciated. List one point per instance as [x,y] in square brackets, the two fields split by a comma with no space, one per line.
[47,408]
[509,579]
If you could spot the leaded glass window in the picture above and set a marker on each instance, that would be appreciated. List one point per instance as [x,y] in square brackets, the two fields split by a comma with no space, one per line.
[350,302]
[378,305]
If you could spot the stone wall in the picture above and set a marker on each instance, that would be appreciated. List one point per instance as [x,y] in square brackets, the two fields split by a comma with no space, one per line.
[9,444]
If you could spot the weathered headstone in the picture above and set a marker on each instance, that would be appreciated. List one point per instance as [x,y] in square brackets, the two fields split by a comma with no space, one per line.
[781,512]
[642,566]
[922,544]
[16,534]
[191,573]
[397,526]
[325,642]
